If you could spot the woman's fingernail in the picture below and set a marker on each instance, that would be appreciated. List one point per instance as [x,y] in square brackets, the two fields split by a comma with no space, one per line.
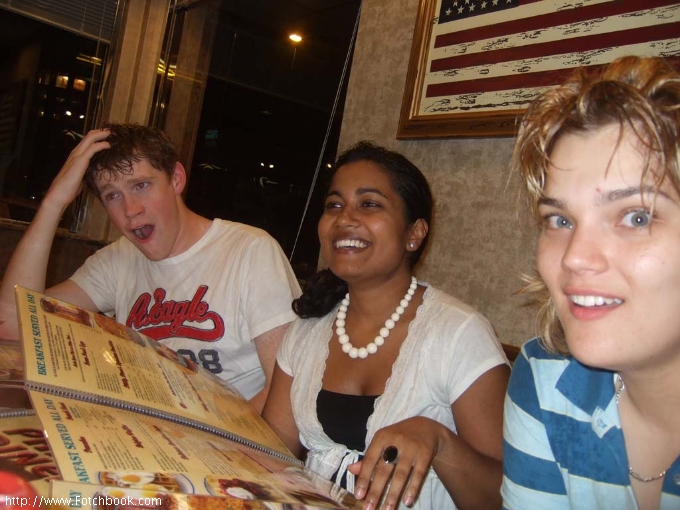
[359,492]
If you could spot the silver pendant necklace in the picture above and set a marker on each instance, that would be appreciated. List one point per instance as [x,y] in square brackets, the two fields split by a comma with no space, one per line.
[631,472]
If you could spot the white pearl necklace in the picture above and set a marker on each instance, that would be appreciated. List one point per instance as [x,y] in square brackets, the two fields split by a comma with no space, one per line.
[372,348]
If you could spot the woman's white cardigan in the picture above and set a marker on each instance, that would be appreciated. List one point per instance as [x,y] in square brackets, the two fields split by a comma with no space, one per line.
[449,345]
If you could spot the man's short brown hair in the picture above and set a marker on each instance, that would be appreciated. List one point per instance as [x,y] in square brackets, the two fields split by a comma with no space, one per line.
[131,143]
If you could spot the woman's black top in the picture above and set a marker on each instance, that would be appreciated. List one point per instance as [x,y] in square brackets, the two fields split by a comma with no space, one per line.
[344,417]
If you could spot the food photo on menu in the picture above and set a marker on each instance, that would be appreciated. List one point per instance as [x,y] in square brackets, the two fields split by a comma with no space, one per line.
[166,482]
[95,497]
[66,311]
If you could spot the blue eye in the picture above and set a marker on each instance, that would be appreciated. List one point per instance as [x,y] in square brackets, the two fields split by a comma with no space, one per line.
[638,219]
[556,221]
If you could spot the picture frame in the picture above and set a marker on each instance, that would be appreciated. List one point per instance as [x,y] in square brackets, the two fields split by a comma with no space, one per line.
[473,75]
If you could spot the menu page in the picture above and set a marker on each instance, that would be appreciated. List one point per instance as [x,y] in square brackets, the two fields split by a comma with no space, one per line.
[103,445]
[72,348]
[24,450]
[97,497]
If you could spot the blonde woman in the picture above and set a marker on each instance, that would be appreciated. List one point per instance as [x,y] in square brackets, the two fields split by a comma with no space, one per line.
[592,416]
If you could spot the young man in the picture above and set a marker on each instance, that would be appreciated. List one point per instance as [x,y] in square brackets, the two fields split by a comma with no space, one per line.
[215,291]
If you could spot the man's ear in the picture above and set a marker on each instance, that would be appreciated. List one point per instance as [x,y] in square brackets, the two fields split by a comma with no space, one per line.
[179,178]
[419,231]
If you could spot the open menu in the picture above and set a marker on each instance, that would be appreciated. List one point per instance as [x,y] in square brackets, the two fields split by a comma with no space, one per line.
[92,357]
[122,411]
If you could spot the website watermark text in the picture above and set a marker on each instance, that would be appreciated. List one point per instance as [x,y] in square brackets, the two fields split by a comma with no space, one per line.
[77,501]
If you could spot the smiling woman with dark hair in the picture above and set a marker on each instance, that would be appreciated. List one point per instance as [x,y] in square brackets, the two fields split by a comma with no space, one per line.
[391,387]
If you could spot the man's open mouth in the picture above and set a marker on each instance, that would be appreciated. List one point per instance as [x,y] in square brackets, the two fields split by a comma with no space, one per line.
[143,232]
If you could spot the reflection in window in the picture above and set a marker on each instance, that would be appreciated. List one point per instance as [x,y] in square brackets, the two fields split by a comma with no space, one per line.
[61,81]
[266,109]
[50,110]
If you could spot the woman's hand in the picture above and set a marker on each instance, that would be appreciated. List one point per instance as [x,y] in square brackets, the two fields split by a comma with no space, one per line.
[417,440]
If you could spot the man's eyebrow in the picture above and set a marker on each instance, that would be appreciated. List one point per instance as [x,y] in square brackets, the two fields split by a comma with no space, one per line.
[132,181]
[103,188]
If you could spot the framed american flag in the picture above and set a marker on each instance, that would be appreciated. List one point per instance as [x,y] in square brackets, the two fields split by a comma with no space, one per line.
[476,64]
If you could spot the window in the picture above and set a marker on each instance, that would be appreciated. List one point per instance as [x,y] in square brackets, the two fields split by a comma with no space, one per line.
[267,105]
[49,109]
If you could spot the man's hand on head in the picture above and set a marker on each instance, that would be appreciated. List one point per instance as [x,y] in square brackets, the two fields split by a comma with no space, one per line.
[68,182]
[28,265]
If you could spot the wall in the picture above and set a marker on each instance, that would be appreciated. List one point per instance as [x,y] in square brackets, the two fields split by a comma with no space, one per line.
[477,250]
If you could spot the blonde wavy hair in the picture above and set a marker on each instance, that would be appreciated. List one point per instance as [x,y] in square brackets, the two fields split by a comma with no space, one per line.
[640,95]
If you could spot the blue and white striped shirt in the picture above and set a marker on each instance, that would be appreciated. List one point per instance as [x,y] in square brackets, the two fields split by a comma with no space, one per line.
[563,445]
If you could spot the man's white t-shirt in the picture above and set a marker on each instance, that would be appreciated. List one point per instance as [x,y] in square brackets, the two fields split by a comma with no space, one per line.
[208,303]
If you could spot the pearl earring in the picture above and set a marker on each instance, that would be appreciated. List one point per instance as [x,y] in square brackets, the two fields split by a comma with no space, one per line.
[410,245]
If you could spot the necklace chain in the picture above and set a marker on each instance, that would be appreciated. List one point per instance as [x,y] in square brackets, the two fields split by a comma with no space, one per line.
[631,472]
[371,348]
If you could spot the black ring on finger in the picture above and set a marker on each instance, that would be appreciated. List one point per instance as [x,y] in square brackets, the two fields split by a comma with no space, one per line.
[390,455]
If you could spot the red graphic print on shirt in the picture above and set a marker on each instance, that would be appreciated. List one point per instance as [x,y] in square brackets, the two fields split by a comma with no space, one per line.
[162,319]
